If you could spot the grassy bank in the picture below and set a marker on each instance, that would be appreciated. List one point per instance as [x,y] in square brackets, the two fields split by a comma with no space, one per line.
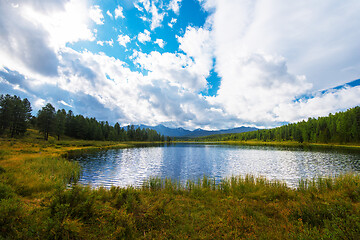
[354,147]
[35,203]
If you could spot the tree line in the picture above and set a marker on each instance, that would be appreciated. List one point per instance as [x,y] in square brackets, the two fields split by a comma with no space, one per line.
[14,115]
[341,127]
[15,118]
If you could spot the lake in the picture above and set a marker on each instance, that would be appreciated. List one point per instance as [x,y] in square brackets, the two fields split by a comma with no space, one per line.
[132,166]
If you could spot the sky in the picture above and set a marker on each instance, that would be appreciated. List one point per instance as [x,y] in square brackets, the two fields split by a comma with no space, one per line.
[210,64]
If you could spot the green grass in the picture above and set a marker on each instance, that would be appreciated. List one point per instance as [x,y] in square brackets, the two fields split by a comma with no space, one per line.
[36,202]
[349,146]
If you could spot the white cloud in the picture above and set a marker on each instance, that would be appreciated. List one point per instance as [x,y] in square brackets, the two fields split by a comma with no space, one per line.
[109,14]
[152,8]
[68,24]
[110,42]
[174,5]
[144,18]
[254,85]
[172,22]
[157,17]
[39,103]
[137,6]
[320,105]
[144,37]
[119,12]
[96,15]
[131,96]
[197,43]
[316,40]
[100,86]
[123,40]
[160,42]
[269,52]
[64,103]
[261,50]
[177,68]
[32,35]
[144,3]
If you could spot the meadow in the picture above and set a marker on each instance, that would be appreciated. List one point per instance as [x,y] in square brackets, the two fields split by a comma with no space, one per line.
[39,199]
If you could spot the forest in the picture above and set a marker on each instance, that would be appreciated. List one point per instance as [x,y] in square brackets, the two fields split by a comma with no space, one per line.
[15,118]
[341,127]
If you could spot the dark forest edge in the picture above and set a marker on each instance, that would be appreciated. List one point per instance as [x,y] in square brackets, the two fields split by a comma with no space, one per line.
[339,128]
[16,118]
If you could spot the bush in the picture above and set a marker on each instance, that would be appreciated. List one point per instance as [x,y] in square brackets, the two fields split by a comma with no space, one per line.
[75,203]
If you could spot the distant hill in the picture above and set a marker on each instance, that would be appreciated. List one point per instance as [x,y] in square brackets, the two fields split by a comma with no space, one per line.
[183,133]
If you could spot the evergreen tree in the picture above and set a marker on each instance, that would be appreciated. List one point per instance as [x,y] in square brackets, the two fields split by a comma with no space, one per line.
[60,120]
[14,114]
[46,120]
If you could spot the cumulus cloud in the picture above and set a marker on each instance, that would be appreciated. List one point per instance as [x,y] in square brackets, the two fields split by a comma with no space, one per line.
[259,83]
[174,5]
[135,98]
[177,68]
[119,12]
[31,34]
[197,43]
[263,75]
[67,24]
[310,37]
[266,52]
[160,42]
[96,15]
[123,40]
[144,37]
[103,87]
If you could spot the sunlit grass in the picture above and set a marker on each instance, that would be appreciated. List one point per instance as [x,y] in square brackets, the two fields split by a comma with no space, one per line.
[36,202]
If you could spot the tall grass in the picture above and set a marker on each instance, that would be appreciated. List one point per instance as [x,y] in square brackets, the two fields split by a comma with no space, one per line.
[36,204]
[41,175]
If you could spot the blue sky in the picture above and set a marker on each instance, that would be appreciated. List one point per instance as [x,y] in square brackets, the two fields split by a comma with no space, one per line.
[208,64]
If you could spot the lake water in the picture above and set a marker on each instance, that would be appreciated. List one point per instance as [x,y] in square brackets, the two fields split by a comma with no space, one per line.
[132,166]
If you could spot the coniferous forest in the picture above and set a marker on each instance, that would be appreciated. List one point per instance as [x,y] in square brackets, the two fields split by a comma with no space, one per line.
[341,127]
[15,118]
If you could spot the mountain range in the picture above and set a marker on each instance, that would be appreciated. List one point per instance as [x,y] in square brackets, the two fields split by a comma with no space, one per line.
[183,133]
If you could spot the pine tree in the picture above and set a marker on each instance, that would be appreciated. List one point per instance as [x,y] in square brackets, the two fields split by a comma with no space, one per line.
[46,120]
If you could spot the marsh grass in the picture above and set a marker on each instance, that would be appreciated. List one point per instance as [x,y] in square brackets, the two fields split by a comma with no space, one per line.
[36,204]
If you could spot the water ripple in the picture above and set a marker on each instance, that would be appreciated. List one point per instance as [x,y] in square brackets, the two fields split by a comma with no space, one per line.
[124,167]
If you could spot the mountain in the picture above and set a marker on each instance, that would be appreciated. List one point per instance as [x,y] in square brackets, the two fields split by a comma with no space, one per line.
[183,133]
[171,132]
